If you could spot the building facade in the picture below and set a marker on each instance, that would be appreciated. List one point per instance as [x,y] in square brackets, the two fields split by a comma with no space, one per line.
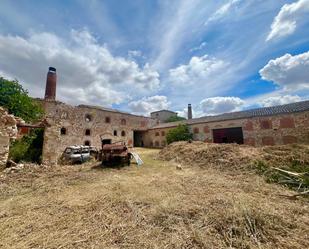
[68,125]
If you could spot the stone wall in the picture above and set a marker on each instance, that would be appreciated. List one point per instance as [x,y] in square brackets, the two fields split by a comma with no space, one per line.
[8,131]
[163,115]
[259,131]
[69,125]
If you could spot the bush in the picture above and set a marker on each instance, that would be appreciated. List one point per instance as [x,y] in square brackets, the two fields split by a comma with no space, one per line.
[28,148]
[180,133]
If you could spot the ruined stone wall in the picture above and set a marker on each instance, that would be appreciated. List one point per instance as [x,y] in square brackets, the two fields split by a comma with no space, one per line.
[76,122]
[259,131]
[8,131]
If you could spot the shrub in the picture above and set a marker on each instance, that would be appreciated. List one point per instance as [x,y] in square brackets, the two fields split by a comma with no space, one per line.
[28,148]
[180,133]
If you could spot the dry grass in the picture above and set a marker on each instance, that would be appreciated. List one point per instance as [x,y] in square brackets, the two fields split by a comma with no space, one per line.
[154,206]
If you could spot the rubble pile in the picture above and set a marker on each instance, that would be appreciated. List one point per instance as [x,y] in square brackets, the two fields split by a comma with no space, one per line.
[8,131]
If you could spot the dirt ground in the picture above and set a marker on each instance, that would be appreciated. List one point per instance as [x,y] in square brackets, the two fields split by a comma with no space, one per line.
[152,206]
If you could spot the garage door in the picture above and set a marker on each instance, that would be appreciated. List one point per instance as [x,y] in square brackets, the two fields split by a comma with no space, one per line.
[228,135]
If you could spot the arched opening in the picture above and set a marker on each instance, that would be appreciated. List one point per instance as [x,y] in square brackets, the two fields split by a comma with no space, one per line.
[123,133]
[115,133]
[63,131]
[87,143]
[87,132]
[88,118]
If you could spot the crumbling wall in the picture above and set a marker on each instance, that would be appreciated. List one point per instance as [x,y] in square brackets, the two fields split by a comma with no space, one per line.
[83,124]
[8,131]
[258,131]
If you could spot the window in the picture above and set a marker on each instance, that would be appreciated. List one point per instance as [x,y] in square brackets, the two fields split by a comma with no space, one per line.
[123,133]
[88,118]
[115,133]
[157,144]
[107,120]
[265,124]
[196,130]
[63,131]
[87,143]
[87,132]
[162,133]
[157,134]
[123,121]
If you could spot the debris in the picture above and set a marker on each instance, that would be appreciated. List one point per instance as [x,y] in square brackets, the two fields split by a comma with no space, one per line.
[137,158]
[179,167]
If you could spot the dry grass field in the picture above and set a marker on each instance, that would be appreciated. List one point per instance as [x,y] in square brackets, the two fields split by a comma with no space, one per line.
[152,206]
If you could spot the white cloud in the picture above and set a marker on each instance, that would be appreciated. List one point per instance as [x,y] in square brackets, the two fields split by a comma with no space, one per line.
[280,100]
[289,72]
[217,105]
[197,71]
[147,105]
[287,19]
[199,47]
[87,71]
[223,10]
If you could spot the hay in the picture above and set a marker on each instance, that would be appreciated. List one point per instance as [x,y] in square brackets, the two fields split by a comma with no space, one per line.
[233,156]
[224,156]
[153,206]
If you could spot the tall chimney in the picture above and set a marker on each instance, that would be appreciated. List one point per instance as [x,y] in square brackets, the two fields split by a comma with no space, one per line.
[189,111]
[51,82]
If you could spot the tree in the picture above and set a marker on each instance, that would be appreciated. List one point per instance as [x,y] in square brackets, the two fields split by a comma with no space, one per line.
[180,133]
[16,100]
[174,119]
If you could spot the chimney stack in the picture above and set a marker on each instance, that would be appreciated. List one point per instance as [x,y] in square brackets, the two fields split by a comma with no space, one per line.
[189,111]
[51,82]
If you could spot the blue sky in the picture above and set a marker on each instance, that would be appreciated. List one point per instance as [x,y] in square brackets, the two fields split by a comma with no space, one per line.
[144,55]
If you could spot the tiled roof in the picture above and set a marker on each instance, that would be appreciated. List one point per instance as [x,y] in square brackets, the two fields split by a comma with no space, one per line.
[259,112]
[109,110]
[163,111]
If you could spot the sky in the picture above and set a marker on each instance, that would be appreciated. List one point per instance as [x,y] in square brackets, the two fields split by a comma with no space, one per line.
[141,56]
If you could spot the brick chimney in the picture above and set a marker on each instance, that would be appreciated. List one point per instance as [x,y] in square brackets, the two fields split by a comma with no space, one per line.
[189,111]
[51,83]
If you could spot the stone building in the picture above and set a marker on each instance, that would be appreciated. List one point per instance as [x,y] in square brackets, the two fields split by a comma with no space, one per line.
[163,115]
[89,125]
[263,126]
[68,125]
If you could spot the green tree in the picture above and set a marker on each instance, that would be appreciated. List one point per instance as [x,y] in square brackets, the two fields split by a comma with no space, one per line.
[180,133]
[174,119]
[14,98]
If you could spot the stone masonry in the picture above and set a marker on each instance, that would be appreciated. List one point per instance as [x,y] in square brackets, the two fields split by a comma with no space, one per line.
[87,125]
[8,131]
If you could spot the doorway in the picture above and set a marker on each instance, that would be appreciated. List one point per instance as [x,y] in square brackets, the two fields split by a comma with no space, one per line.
[228,135]
[106,141]
[138,138]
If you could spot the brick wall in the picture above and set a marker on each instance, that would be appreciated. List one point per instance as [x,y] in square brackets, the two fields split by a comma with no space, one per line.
[272,130]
